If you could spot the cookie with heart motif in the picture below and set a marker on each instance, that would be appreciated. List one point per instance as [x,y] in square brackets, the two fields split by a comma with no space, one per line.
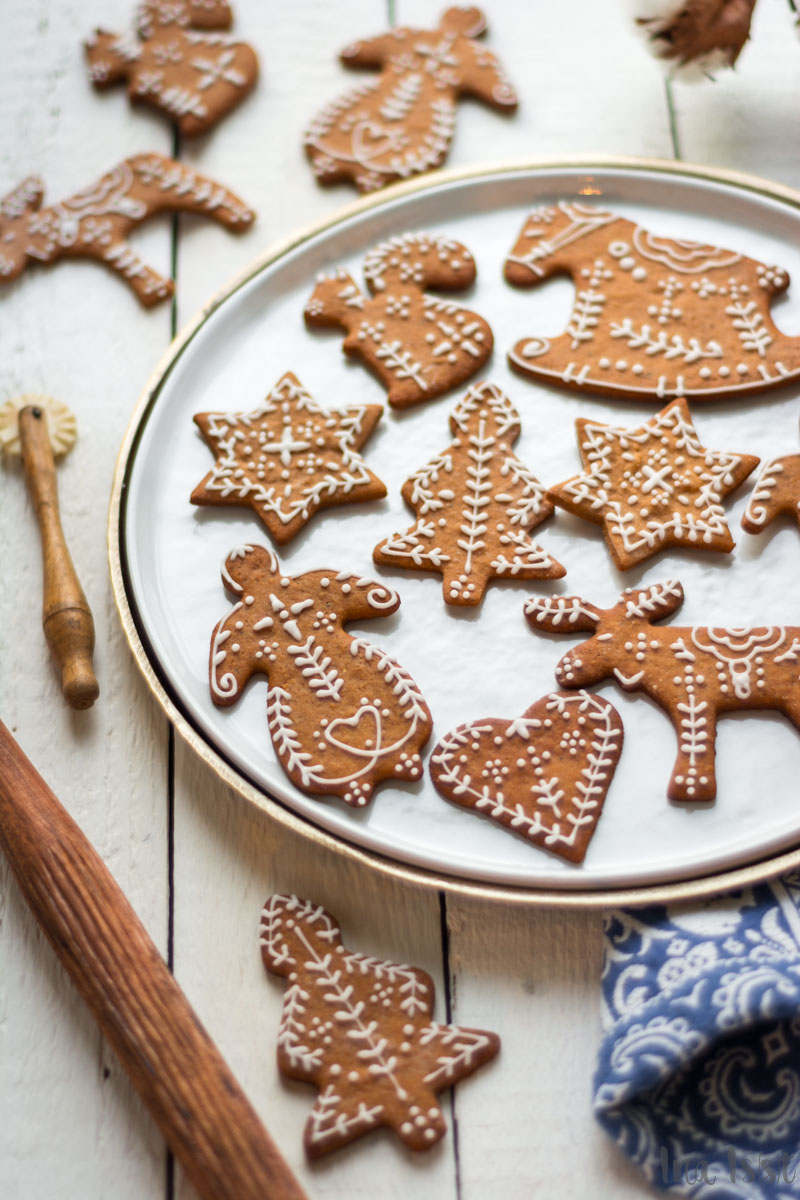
[544,775]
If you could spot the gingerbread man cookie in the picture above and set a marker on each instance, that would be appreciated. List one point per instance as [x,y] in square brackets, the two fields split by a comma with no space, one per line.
[343,715]
[694,673]
[95,223]
[401,124]
[418,346]
[777,490]
[288,458]
[543,775]
[476,503]
[195,78]
[653,487]
[653,316]
[362,1030]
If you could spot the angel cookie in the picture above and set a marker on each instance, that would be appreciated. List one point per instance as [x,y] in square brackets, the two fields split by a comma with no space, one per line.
[544,775]
[362,1030]
[401,124]
[653,487]
[288,458]
[653,316]
[342,714]
[419,346]
[476,503]
[777,491]
[177,66]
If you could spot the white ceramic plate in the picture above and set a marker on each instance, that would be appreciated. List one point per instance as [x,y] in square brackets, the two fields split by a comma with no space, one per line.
[485,662]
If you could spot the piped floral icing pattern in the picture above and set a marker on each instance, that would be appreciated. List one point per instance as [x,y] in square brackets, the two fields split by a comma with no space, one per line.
[475,503]
[362,1031]
[401,124]
[653,316]
[419,346]
[342,714]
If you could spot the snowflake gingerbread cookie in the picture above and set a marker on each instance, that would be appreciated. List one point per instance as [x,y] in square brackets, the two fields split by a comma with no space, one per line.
[342,714]
[95,223]
[362,1030]
[776,491]
[419,346]
[544,775]
[695,673]
[401,124]
[476,504]
[653,316]
[195,77]
[653,487]
[288,458]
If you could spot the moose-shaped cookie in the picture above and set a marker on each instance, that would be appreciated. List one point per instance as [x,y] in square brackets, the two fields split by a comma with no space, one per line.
[343,715]
[693,672]
[401,124]
[95,223]
[193,76]
[419,346]
[653,316]
[777,491]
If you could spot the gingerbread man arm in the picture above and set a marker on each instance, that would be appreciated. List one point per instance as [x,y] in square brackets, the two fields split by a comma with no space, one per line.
[483,77]
[352,597]
[109,57]
[777,491]
[374,51]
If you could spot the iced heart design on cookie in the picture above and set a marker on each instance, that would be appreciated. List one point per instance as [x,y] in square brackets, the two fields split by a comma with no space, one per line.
[346,732]
[544,775]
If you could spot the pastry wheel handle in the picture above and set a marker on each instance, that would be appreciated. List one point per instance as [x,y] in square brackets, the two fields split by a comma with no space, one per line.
[66,616]
[205,1117]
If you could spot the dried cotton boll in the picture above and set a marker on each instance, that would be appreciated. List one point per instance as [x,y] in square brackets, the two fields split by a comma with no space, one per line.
[696,38]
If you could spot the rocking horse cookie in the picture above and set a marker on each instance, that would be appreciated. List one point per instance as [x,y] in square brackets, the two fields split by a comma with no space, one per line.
[419,346]
[342,714]
[288,458]
[194,76]
[693,673]
[653,316]
[401,124]
[476,504]
[95,223]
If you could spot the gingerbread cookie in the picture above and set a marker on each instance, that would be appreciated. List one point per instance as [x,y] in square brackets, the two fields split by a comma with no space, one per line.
[288,458]
[95,223]
[401,124]
[362,1031]
[194,78]
[343,715]
[694,673]
[653,316]
[476,503]
[654,486]
[419,346]
[543,775]
[777,490]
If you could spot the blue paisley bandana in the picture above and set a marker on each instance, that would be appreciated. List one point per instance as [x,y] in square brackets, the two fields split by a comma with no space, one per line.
[698,1078]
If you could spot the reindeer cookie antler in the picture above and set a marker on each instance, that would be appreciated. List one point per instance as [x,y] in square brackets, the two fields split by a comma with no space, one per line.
[653,316]
[95,223]
[401,124]
[419,346]
[195,78]
[695,673]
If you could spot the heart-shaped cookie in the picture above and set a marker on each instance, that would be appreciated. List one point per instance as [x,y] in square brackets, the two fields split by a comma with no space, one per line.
[543,775]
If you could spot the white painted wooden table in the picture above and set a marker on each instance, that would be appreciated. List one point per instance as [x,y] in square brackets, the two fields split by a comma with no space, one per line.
[196,861]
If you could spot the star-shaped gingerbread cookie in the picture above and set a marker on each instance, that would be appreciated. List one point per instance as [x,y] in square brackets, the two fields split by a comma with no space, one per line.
[288,458]
[654,486]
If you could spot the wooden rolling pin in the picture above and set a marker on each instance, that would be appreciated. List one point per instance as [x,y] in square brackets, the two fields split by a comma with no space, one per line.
[172,1062]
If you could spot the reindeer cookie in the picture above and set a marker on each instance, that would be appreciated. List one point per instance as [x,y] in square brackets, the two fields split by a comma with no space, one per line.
[694,673]
[653,316]
[543,775]
[95,223]
[362,1030]
[195,78]
[288,458]
[777,491]
[653,487]
[476,503]
[419,346]
[401,124]
[342,714]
